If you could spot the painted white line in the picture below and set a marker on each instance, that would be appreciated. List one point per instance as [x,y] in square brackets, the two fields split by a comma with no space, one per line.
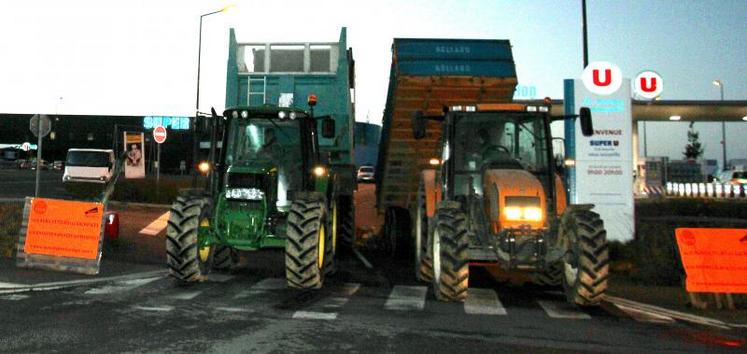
[234,309]
[219,278]
[406,298]
[120,286]
[158,225]
[666,312]
[185,295]
[262,287]
[350,288]
[72,283]
[562,310]
[644,316]
[154,308]
[483,302]
[10,285]
[14,297]
[309,315]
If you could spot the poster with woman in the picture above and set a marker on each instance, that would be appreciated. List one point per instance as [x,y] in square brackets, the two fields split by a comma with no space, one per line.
[135,157]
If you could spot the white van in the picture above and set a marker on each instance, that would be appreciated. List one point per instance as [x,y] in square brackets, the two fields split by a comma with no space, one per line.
[88,165]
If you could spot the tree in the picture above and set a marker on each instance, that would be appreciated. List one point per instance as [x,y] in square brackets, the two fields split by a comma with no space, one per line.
[693,149]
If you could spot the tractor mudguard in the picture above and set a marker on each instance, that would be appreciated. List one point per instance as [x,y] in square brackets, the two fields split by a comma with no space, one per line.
[432,192]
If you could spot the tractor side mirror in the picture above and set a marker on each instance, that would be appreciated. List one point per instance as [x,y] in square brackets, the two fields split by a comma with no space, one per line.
[328,128]
[213,112]
[587,129]
[418,125]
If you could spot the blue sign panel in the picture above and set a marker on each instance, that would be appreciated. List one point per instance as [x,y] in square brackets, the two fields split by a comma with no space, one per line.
[169,122]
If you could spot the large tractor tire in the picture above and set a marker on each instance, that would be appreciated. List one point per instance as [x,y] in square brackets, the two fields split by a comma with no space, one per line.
[330,248]
[305,248]
[423,258]
[225,258]
[449,245]
[552,276]
[586,263]
[397,232]
[185,259]
[346,237]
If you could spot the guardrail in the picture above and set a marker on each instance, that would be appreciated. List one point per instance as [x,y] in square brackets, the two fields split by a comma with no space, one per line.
[706,190]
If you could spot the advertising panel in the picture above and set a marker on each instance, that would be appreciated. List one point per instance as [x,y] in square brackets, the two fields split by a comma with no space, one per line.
[603,173]
[64,228]
[134,144]
[715,260]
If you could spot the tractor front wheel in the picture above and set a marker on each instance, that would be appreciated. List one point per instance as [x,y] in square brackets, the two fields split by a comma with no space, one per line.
[186,260]
[225,258]
[586,263]
[305,244]
[423,260]
[450,260]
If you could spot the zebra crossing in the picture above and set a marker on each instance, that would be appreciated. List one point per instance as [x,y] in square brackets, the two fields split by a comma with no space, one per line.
[233,297]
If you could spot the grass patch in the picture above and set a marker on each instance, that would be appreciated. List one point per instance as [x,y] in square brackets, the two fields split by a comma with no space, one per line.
[10,223]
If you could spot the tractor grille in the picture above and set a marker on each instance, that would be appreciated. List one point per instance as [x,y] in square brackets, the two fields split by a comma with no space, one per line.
[249,180]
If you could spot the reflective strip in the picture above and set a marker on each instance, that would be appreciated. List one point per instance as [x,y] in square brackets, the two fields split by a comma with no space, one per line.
[562,310]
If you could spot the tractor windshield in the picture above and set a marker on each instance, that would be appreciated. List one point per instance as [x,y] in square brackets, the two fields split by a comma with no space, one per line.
[268,143]
[499,140]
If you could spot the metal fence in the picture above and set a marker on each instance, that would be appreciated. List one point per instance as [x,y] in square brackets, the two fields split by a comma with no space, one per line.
[706,190]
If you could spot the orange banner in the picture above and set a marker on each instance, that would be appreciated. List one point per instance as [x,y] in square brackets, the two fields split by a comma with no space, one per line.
[715,260]
[64,228]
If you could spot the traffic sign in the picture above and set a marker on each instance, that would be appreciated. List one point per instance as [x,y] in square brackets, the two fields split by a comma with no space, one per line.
[26,146]
[159,134]
[46,125]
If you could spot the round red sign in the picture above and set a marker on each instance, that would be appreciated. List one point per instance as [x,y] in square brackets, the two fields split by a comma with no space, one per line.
[159,134]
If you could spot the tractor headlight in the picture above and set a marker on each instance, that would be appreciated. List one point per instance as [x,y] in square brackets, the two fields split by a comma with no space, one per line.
[533,214]
[244,193]
[292,115]
[523,209]
[512,213]
[281,114]
[320,171]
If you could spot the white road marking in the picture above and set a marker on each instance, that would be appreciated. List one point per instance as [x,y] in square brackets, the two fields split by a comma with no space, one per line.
[562,310]
[185,295]
[483,302]
[10,285]
[154,308]
[644,316]
[158,225]
[262,287]
[234,309]
[310,315]
[14,297]
[72,283]
[406,298]
[666,312]
[120,286]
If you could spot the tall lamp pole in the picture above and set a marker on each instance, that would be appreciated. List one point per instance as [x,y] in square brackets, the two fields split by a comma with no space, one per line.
[583,29]
[195,143]
[723,123]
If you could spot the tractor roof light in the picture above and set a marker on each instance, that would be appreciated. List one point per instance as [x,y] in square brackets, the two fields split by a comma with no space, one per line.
[470,108]
[456,108]
[569,162]
[292,115]
[312,100]
[544,109]
[434,161]
[531,108]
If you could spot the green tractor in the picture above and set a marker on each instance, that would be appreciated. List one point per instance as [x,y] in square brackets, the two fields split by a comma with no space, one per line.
[267,187]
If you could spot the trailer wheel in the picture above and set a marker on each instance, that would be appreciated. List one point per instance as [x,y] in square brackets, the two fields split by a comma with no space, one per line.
[305,244]
[225,258]
[586,263]
[423,261]
[346,238]
[450,261]
[552,276]
[185,259]
[397,232]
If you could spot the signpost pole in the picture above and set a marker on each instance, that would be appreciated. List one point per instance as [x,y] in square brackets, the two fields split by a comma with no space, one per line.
[158,174]
[38,155]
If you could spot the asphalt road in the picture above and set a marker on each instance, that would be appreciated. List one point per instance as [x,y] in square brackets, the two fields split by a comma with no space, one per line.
[384,310]
[16,183]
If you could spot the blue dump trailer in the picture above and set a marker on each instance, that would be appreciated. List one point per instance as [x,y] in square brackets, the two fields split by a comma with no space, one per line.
[428,75]
[285,74]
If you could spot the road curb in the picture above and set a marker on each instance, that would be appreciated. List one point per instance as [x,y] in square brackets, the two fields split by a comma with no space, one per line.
[79,282]
[660,311]
[143,205]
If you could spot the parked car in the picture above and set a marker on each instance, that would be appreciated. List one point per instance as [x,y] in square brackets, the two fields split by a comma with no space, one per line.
[42,165]
[735,177]
[57,165]
[89,165]
[366,174]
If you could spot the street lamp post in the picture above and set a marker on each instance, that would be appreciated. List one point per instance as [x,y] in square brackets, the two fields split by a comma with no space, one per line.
[723,124]
[195,143]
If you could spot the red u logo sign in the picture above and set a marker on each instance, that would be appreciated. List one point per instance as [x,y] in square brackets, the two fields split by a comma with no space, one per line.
[607,77]
[648,87]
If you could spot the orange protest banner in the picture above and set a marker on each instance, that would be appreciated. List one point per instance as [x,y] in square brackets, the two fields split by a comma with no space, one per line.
[715,260]
[64,228]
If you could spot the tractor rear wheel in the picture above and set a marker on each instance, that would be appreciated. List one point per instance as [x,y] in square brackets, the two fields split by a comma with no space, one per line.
[450,260]
[423,260]
[186,260]
[345,224]
[586,263]
[305,244]
[330,250]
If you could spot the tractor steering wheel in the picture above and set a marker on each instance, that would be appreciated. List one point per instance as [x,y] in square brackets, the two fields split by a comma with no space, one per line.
[498,148]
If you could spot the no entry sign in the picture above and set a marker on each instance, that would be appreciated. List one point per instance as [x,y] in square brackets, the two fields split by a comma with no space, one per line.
[159,134]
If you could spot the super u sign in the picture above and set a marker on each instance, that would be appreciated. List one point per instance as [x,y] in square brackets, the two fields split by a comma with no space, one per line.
[602,78]
[648,85]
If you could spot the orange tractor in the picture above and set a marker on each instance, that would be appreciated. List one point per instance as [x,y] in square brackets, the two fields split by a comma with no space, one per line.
[497,199]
